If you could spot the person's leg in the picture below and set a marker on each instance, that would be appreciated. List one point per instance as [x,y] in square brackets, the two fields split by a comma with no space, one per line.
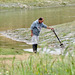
[35,40]
[35,48]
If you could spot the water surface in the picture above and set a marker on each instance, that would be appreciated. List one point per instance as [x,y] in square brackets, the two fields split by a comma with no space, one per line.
[13,19]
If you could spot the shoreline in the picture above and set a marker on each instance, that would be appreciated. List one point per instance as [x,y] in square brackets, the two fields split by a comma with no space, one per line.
[19,5]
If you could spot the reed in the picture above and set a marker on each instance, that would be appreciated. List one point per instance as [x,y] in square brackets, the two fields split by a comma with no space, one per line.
[43,64]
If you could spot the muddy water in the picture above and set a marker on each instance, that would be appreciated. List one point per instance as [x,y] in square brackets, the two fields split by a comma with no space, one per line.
[10,19]
[22,18]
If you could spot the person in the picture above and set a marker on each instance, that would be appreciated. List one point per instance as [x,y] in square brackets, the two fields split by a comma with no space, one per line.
[35,31]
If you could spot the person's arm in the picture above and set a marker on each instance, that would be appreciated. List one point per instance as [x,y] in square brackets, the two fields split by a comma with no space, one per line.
[31,32]
[45,26]
[32,26]
[50,28]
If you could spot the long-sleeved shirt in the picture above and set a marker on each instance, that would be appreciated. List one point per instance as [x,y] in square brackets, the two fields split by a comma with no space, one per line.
[36,27]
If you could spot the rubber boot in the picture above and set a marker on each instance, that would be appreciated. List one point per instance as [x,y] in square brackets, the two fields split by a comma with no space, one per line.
[35,48]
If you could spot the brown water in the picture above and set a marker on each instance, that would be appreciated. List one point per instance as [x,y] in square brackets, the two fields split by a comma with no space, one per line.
[11,19]
[23,18]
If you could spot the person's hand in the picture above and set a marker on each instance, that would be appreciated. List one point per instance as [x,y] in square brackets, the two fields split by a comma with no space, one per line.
[52,28]
[31,34]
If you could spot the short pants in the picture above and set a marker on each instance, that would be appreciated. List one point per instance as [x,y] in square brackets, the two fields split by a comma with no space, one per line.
[35,39]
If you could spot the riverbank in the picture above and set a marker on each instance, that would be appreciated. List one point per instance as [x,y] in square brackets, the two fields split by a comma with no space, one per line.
[24,4]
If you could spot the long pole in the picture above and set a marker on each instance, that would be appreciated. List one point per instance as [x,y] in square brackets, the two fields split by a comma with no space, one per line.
[58,39]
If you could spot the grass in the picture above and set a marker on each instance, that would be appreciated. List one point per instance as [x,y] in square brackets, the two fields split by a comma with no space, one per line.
[32,0]
[43,64]
[8,51]
[4,58]
[10,47]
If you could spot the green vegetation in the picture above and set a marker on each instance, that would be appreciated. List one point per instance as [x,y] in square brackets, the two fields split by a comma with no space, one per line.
[10,47]
[5,58]
[34,0]
[42,64]
[47,64]
[6,51]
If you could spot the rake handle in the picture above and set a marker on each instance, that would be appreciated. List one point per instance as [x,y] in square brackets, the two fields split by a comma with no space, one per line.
[56,36]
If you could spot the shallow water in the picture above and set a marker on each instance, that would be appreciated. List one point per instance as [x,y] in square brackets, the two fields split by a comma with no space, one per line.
[23,18]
